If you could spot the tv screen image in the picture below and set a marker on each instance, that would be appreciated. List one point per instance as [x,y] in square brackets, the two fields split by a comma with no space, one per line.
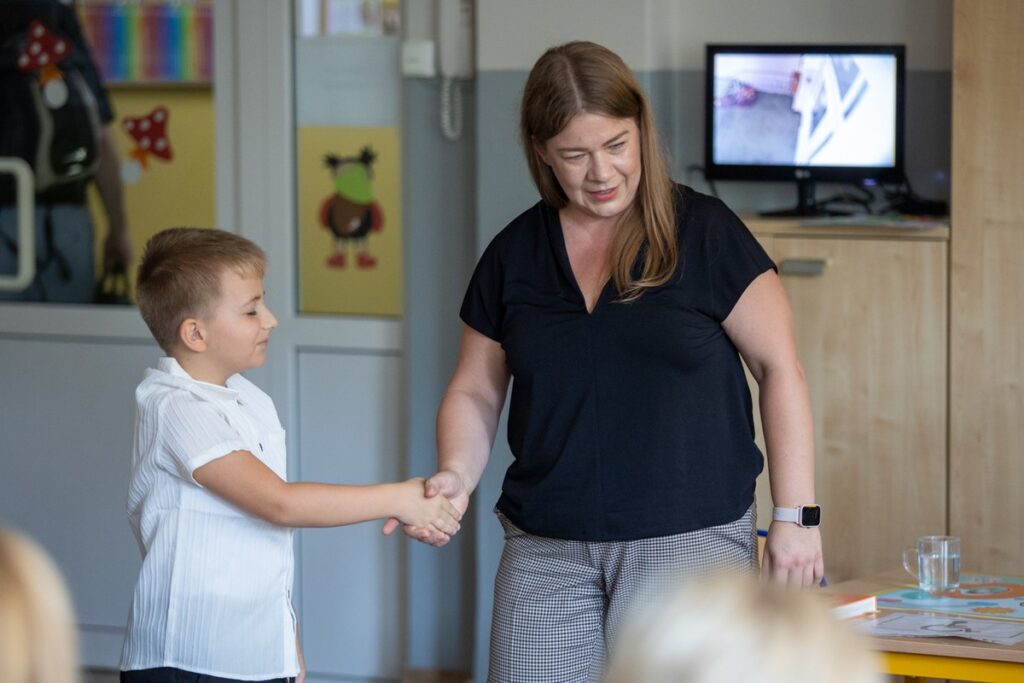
[805,110]
[806,113]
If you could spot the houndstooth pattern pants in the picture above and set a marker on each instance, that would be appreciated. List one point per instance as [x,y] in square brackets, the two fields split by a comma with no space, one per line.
[558,602]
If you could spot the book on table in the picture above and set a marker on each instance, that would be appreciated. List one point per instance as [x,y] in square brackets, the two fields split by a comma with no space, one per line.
[847,605]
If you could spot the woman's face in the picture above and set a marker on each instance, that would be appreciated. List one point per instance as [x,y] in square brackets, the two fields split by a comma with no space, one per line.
[596,160]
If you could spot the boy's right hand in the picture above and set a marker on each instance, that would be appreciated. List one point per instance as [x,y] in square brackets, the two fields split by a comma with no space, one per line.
[417,510]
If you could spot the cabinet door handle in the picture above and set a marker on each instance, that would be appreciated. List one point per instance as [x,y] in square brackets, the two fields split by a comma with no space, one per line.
[803,267]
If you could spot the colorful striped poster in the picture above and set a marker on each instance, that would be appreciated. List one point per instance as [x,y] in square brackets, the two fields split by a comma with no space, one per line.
[150,42]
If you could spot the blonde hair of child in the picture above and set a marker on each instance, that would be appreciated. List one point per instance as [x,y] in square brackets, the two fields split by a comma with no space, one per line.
[37,627]
[179,276]
[735,629]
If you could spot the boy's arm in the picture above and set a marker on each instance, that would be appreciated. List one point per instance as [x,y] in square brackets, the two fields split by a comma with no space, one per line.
[247,483]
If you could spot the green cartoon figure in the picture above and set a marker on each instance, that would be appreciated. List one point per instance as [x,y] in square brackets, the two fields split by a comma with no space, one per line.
[351,212]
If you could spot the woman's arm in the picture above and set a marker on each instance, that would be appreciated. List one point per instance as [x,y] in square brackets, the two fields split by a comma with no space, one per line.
[761,327]
[468,417]
[466,424]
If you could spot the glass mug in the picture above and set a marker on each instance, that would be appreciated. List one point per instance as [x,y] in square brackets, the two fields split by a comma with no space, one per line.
[938,563]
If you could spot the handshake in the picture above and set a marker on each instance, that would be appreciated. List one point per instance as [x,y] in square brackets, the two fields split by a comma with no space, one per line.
[430,509]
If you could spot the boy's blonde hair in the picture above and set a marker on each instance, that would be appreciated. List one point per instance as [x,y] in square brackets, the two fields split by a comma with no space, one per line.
[179,276]
[734,628]
[37,625]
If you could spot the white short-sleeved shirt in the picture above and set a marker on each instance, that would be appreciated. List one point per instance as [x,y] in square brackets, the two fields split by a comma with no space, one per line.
[214,593]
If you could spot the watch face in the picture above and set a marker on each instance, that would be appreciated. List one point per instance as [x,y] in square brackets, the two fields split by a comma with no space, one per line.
[810,515]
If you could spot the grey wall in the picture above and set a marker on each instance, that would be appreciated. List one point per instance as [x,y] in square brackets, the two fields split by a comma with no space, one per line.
[65,421]
[670,34]
[439,210]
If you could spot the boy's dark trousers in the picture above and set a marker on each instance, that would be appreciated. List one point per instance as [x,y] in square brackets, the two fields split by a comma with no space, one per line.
[169,675]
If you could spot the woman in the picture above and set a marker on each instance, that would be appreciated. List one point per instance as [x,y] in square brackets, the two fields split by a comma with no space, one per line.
[618,304]
[37,625]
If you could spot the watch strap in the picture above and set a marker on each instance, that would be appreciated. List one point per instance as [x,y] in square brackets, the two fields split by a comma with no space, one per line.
[801,515]
[786,515]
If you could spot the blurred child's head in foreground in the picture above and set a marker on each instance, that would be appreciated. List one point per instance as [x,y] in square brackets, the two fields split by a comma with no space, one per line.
[735,629]
[37,624]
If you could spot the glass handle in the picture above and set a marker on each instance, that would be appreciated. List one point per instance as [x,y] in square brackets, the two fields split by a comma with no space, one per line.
[910,567]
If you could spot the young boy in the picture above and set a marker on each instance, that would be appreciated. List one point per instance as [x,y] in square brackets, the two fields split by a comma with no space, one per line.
[208,500]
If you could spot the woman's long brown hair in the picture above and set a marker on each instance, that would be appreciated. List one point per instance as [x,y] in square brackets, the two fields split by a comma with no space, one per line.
[583,77]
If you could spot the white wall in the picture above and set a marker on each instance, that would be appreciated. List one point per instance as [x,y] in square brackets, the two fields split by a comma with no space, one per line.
[670,34]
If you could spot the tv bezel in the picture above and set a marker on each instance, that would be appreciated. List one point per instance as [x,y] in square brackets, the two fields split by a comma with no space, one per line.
[783,172]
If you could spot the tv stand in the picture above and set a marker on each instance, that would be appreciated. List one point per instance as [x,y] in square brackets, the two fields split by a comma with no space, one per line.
[806,205]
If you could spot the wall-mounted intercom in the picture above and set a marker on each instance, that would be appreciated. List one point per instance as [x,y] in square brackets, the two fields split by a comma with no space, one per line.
[455,59]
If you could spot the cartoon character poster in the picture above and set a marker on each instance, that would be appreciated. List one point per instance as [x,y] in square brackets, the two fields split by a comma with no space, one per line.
[349,197]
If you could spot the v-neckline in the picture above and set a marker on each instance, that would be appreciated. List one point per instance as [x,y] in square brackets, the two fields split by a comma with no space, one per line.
[562,256]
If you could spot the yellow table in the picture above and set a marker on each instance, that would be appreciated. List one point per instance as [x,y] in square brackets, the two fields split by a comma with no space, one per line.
[957,659]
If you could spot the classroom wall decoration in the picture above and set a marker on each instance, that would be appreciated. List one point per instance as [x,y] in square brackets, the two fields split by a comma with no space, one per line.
[150,42]
[350,260]
[350,212]
[179,192]
[348,175]
[149,141]
[42,55]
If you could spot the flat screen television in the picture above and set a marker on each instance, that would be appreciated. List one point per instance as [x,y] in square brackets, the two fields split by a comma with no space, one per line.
[806,113]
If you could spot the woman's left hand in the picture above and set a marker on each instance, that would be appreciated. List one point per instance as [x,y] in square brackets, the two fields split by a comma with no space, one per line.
[792,555]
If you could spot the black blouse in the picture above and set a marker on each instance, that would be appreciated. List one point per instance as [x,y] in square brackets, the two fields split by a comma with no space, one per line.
[634,420]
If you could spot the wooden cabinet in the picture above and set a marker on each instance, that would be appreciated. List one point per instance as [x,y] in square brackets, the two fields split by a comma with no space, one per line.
[870,316]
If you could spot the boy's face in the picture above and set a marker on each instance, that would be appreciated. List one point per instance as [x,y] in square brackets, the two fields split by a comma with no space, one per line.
[238,324]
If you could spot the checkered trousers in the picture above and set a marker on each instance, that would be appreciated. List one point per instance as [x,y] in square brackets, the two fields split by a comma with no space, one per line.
[558,602]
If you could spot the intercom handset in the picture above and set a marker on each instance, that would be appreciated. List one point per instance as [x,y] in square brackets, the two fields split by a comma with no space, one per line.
[455,59]
[455,38]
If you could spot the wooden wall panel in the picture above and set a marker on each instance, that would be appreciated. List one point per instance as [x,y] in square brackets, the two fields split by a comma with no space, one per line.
[987,313]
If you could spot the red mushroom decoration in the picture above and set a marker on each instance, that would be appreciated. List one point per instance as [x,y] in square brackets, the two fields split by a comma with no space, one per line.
[150,135]
[43,51]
